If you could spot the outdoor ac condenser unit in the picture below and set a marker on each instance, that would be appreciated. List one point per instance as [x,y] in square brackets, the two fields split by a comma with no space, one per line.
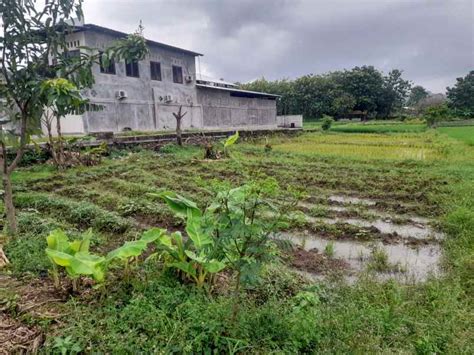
[121,94]
[188,78]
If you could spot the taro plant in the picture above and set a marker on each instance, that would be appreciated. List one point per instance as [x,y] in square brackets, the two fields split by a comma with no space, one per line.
[234,231]
[193,257]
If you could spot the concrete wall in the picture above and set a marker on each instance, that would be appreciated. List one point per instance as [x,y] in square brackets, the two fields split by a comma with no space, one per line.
[290,120]
[144,109]
[222,110]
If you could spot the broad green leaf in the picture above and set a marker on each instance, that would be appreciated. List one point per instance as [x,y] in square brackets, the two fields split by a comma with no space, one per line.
[214,266]
[187,267]
[231,140]
[152,234]
[128,250]
[165,240]
[57,240]
[58,257]
[87,264]
[179,204]
[193,256]
[86,241]
[74,246]
[194,231]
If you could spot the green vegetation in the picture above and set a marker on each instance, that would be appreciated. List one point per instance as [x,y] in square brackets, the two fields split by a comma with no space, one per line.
[363,89]
[464,134]
[156,306]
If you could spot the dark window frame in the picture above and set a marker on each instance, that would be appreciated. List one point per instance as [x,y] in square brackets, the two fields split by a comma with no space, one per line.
[107,70]
[132,69]
[177,79]
[155,71]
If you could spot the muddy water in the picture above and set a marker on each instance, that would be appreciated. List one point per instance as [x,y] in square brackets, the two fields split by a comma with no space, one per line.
[415,263]
[416,231]
[418,227]
[351,200]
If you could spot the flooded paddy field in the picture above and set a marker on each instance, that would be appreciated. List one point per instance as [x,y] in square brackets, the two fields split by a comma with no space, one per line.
[375,257]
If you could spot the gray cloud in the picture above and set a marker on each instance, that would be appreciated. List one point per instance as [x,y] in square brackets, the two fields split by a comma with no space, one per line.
[432,41]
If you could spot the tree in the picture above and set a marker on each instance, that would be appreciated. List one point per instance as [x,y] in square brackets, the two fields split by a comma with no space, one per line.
[395,92]
[417,94]
[61,97]
[29,37]
[461,95]
[33,32]
[179,116]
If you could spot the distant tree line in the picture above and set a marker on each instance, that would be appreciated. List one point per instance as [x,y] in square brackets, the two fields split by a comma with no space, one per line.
[338,94]
[364,90]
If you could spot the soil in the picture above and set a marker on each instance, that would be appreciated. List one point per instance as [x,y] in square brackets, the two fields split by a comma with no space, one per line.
[314,262]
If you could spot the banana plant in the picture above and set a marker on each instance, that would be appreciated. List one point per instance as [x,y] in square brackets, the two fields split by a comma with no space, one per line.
[230,141]
[74,257]
[193,256]
[133,249]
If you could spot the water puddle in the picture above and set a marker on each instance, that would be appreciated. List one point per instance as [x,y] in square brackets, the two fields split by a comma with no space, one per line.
[416,231]
[407,263]
[352,200]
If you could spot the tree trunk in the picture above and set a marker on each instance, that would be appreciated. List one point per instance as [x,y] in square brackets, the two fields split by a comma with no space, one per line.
[179,115]
[178,132]
[235,308]
[60,154]
[11,227]
[52,148]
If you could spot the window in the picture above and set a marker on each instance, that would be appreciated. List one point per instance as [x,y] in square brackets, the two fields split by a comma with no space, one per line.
[131,69]
[72,54]
[109,69]
[155,71]
[177,74]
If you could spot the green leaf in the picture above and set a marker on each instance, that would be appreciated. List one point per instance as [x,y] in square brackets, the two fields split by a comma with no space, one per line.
[57,240]
[194,231]
[128,250]
[187,267]
[179,204]
[214,266]
[152,234]
[59,258]
[231,140]
[87,264]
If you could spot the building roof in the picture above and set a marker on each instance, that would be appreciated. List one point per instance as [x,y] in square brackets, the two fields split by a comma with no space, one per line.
[245,93]
[207,80]
[96,28]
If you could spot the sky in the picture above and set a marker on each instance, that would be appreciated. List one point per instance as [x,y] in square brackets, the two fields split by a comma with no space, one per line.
[432,41]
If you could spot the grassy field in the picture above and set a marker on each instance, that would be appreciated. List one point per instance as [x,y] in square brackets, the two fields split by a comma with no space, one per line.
[465,134]
[324,304]
[369,127]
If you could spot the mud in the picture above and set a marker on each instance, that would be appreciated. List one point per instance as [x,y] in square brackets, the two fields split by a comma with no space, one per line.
[407,231]
[413,263]
[313,261]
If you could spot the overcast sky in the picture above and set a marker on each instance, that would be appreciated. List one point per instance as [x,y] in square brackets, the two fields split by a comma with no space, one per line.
[432,41]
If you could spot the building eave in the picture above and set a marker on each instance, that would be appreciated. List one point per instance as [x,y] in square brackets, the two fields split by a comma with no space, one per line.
[101,29]
[253,93]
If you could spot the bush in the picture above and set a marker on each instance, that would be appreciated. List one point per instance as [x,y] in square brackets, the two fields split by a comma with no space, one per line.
[327,122]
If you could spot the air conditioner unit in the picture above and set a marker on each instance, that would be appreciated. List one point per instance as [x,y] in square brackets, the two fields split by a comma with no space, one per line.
[121,94]
[188,78]
[168,98]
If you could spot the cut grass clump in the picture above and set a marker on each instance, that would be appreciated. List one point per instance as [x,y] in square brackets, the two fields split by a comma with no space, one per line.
[84,214]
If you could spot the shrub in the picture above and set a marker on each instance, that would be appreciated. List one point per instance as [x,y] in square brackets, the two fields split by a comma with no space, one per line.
[327,122]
